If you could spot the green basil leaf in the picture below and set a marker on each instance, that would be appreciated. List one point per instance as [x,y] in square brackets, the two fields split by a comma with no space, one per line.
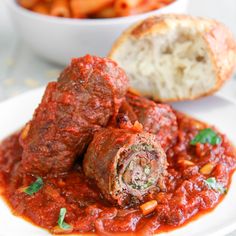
[61,218]
[206,136]
[134,148]
[212,184]
[34,187]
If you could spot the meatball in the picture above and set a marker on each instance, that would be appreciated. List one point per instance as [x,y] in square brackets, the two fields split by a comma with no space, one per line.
[85,98]
[158,119]
[125,165]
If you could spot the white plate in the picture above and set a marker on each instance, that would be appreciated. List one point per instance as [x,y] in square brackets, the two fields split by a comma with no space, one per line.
[214,110]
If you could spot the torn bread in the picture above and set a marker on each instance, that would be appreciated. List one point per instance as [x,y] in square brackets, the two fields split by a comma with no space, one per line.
[176,57]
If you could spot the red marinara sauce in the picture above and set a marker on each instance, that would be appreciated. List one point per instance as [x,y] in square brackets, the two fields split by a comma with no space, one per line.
[186,195]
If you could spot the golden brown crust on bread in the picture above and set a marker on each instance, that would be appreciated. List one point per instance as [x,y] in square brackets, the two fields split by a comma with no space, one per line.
[220,43]
[222,47]
[154,23]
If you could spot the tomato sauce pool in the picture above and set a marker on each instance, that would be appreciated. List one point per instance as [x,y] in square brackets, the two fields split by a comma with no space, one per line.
[198,178]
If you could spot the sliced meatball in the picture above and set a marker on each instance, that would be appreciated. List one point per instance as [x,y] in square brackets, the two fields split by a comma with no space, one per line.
[125,165]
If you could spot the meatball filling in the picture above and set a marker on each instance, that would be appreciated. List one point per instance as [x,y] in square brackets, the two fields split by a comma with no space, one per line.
[139,171]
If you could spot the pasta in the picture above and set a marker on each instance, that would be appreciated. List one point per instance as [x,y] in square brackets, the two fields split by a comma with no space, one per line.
[92,8]
[42,8]
[28,3]
[108,12]
[83,8]
[124,7]
[60,8]
[149,5]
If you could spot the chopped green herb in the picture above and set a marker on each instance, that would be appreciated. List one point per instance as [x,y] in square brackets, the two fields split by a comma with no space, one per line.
[212,184]
[206,136]
[61,218]
[136,186]
[148,184]
[147,170]
[148,147]
[145,147]
[34,187]
[134,148]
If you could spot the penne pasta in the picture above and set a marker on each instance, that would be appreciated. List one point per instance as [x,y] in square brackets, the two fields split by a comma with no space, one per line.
[165,1]
[86,7]
[148,5]
[124,7]
[93,8]
[60,8]
[28,3]
[108,12]
[42,8]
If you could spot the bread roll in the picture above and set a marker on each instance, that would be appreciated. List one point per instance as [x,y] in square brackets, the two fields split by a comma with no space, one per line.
[176,57]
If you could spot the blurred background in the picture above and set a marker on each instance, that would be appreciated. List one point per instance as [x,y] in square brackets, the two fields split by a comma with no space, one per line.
[22,70]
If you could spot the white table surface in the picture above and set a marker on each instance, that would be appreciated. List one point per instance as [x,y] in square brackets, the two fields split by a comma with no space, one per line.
[22,70]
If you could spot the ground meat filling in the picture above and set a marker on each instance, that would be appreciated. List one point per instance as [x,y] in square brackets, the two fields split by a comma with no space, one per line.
[126,165]
[136,175]
[139,172]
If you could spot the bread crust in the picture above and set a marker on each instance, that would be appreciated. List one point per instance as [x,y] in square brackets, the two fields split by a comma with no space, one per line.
[219,40]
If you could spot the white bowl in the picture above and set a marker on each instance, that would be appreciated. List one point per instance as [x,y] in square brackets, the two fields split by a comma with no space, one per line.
[59,39]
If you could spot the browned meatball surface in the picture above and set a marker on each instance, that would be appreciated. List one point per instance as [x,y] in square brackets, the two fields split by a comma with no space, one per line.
[158,119]
[85,98]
